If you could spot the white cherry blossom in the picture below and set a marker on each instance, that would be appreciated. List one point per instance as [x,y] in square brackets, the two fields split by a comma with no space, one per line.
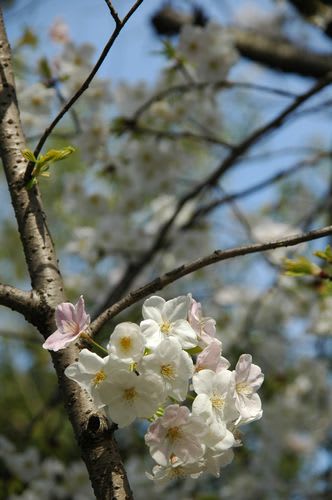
[246,380]
[176,470]
[165,320]
[127,342]
[131,396]
[214,401]
[218,441]
[90,372]
[173,364]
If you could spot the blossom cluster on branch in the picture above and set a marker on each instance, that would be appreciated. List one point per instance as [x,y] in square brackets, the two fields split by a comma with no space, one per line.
[169,369]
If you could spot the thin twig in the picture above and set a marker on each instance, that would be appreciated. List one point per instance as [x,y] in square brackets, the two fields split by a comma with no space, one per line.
[113,12]
[198,86]
[134,268]
[185,269]
[178,135]
[85,85]
[204,210]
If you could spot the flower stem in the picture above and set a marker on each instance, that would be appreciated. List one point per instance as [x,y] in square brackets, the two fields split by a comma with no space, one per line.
[90,340]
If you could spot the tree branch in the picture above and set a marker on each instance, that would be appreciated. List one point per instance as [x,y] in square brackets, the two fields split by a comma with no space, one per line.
[26,303]
[198,86]
[281,54]
[85,85]
[282,174]
[92,430]
[134,268]
[113,12]
[185,269]
[178,135]
[274,52]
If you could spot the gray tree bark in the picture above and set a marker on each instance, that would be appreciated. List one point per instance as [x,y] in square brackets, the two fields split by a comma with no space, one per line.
[93,432]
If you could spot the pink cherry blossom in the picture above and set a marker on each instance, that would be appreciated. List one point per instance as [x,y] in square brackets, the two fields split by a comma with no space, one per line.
[177,433]
[246,380]
[71,322]
[204,327]
[210,358]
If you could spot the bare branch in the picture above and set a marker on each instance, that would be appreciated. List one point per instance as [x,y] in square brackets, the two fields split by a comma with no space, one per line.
[257,135]
[185,269]
[85,85]
[92,429]
[281,54]
[113,12]
[274,52]
[26,303]
[179,135]
[282,174]
[198,86]
[134,268]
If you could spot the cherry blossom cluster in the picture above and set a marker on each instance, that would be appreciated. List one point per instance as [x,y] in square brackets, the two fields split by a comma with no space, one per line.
[155,371]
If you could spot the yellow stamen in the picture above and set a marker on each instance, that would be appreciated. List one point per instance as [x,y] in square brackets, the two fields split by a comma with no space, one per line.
[243,388]
[165,327]
[126,343]
[174,433]
[217,402]
[99,377]
[167,371]
[130,394]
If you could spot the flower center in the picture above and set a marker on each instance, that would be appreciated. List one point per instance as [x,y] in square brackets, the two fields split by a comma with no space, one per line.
[70,327]
[37,101]
[167,371]
[129,394]
[217,401]
[174,433]
[176,472]
[125,343]
[99,377]
[193,47]
[165,327]
[243,388]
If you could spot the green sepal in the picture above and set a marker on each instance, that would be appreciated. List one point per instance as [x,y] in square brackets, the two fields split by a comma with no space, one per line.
[160,412]
[194,351]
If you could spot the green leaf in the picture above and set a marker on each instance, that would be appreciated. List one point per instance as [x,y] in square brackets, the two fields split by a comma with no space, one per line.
[325,255]
[42,163]
[28,38]
[168,50]
[301,267]
[28,155]
[54,155]
[44,69]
